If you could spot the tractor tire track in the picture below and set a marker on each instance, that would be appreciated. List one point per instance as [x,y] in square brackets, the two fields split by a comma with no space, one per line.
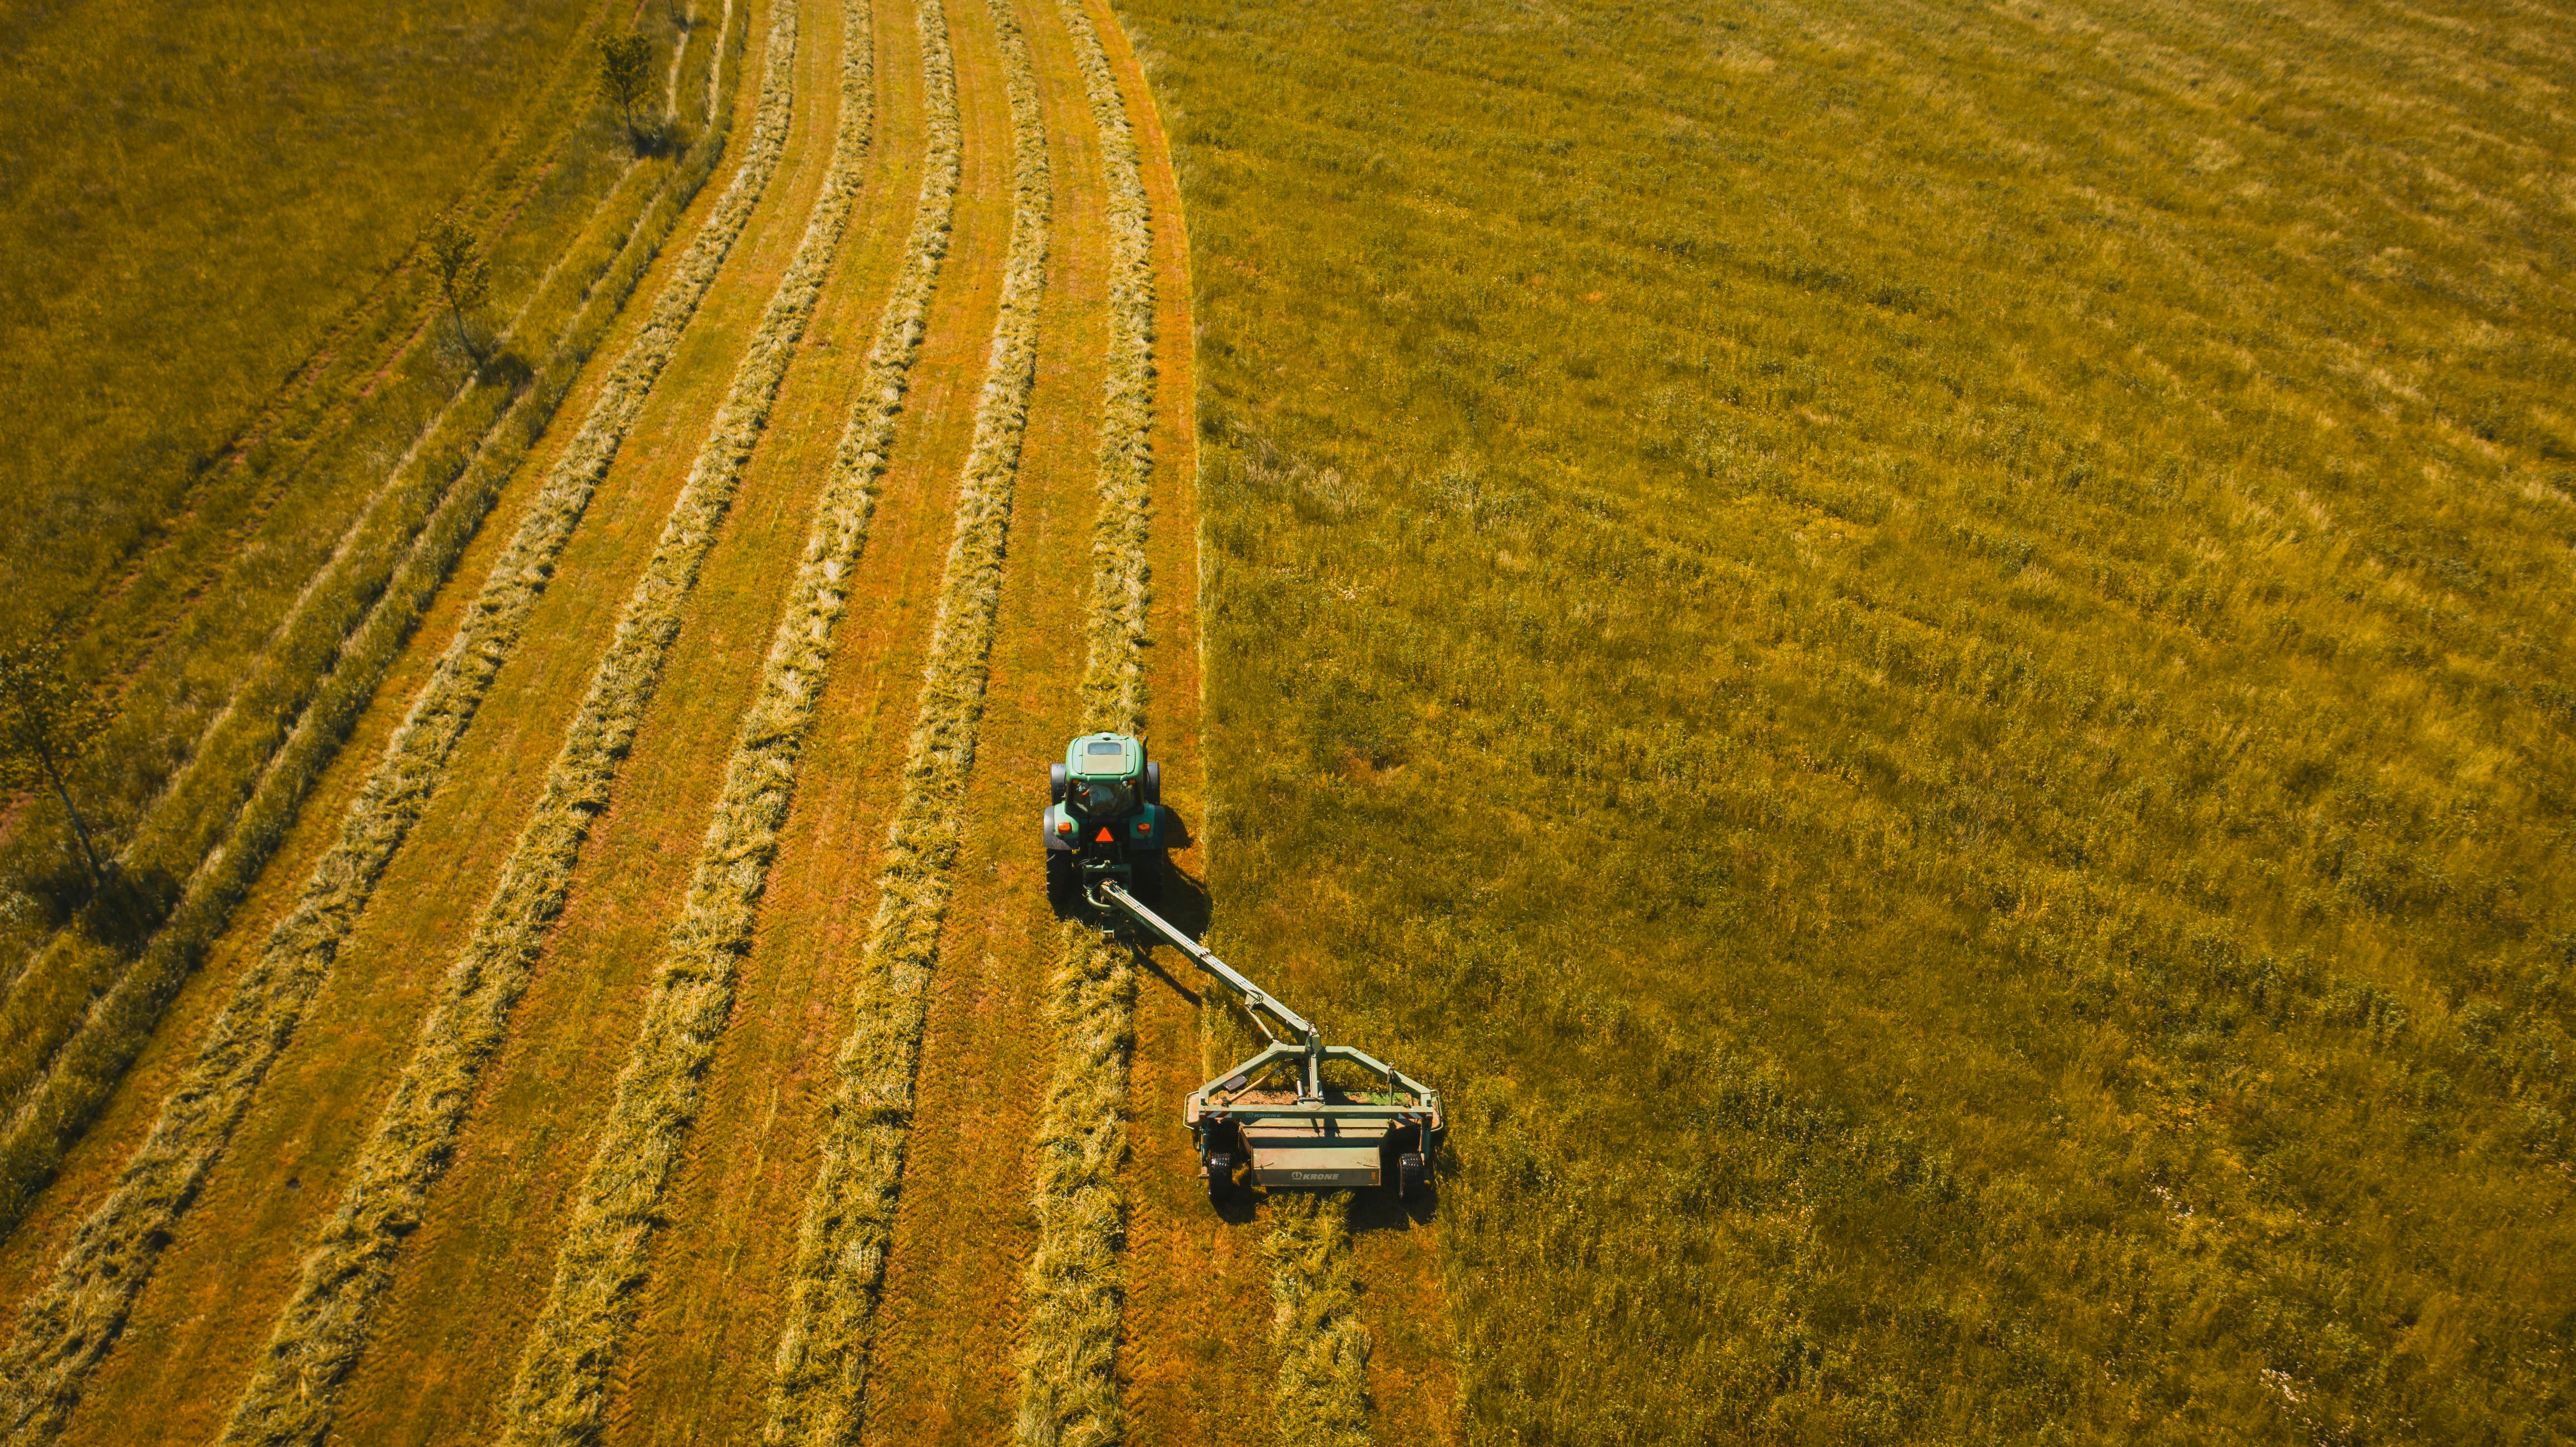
[822,1356]
[68,1324]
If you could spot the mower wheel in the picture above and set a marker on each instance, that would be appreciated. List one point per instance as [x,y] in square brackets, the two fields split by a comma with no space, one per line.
[1153,783]
[1412,1172]
[1055,783]
[1220,1176]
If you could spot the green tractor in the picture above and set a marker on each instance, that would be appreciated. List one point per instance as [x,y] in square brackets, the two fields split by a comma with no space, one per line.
[1277,1115]
[1107,822]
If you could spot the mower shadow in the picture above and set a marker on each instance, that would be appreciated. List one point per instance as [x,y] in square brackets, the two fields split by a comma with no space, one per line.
[1380,1210]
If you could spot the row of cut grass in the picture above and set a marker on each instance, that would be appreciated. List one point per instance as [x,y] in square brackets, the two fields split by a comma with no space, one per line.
[317,1338]
[78,968]
[79,1022]
[1075,1281]
[1321,1392]
[562,1376]
[68,1323]
[824,1347]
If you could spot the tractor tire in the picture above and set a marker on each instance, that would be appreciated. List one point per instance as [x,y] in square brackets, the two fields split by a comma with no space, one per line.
[1153,783]
[1412,1173]
[1055,783]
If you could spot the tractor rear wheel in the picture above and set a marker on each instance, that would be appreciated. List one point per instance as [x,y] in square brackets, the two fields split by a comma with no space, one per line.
[1412,1172]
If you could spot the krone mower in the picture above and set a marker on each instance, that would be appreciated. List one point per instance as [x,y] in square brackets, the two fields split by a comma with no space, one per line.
[1276,1113]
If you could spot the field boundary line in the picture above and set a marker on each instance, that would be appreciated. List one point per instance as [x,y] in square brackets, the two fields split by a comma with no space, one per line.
[319,1334]
[1076,1283]
[69,1323]
[819,1372]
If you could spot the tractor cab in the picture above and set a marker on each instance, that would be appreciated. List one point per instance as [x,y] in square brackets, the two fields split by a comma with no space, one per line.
[1105,819]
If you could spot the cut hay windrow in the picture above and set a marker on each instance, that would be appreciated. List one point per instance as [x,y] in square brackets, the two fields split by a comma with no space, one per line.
[1076,1282]
[562,1377]
[1321,1392]
[821,1363]
[73,984]
[318,1336]
[69,1322]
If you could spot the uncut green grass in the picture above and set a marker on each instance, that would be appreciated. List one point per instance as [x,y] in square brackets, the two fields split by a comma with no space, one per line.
[1921,653]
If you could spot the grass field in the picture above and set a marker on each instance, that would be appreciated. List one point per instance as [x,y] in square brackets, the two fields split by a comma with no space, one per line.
[1921,653]
[251,170]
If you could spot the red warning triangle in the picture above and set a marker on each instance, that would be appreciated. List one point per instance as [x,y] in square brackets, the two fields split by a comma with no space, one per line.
[1104,837]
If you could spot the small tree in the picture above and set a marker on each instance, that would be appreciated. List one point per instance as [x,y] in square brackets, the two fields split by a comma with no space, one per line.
[463,278]
[625,72]
[46,722]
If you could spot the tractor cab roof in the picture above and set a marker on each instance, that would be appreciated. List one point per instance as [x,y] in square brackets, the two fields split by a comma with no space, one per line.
[1104,756]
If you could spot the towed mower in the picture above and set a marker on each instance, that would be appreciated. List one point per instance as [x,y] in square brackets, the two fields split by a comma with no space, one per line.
[1275,1113]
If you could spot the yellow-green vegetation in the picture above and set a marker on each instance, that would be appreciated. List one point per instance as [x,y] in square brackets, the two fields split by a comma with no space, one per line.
[70,1320]
[1321,1391]
[822,1360]
[1922,654]
[1075,1281]
[319,1335]
[170,574]
[184,230]
[564,1369]
[84,1004]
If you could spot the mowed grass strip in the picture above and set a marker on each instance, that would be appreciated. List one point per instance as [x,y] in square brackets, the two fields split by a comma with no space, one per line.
[1321,1392]
[823,1350]
[1076,1277]
[561,1381]
[265,746]
[294,1390]
[69,1322]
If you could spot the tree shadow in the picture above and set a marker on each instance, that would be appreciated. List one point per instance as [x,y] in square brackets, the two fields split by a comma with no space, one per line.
[654,140]
[505,369]
[128,906]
